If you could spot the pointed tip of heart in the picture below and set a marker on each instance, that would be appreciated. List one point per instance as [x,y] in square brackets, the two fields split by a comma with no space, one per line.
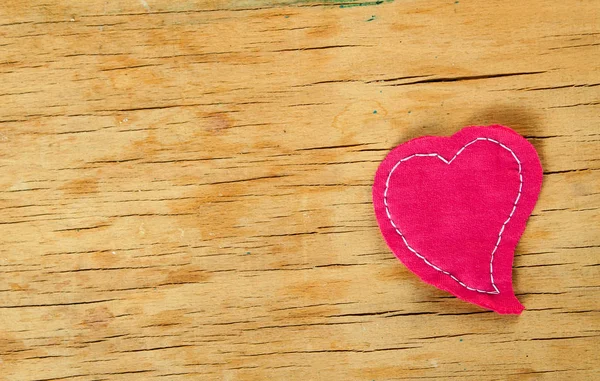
[504,303]
[514,310]
[509,306]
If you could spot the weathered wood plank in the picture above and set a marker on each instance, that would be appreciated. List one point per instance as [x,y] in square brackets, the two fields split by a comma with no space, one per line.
[186,187]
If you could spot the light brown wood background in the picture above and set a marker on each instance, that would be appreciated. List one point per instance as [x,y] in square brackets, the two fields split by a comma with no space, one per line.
[186,188]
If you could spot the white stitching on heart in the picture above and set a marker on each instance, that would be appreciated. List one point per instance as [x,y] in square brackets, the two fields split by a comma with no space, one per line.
[387,210]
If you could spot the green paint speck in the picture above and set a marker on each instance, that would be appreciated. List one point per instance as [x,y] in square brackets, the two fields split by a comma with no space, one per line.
[247,252]
[374,111]
[287,16]
[409,111]
[371,19]
[364,3]
[461,340]
[456,2]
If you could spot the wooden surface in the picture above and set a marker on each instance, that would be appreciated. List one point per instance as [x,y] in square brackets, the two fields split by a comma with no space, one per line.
[185,188]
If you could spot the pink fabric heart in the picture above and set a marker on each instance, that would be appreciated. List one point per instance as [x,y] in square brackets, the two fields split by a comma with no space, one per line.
[453,210]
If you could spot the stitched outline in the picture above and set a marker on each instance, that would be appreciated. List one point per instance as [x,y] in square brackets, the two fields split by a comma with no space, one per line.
[448,162]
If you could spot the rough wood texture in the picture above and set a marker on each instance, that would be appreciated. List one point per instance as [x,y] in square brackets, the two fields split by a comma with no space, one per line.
[185,187]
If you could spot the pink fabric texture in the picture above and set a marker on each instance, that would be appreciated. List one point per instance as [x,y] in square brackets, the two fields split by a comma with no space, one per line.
[452,209]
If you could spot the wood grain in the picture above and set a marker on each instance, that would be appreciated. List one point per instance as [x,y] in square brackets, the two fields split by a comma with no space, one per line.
[185,187]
